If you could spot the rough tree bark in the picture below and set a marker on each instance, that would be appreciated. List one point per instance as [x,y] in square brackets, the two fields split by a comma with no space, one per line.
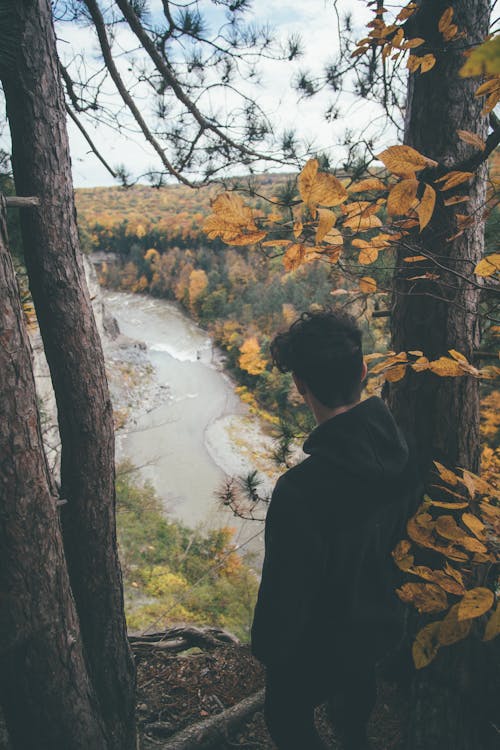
[435,316]
[41,165]
[45,692]
[442,414]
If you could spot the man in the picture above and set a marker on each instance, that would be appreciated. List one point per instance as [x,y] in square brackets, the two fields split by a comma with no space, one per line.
[326,610]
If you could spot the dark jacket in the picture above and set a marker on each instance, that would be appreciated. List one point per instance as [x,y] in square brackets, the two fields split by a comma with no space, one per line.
[328,578]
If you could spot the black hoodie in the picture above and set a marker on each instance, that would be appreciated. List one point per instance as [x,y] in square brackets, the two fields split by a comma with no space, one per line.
[328,578]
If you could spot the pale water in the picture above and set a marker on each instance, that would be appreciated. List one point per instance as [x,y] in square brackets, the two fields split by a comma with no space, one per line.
[170,441]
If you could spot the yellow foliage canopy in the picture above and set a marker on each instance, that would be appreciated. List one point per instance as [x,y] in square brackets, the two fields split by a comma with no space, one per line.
[251,359]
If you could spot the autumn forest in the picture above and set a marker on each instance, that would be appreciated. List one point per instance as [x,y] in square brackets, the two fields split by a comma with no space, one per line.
[255,161]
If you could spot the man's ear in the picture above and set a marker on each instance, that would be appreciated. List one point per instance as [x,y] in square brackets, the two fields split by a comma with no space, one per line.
[299,383]
[364,372]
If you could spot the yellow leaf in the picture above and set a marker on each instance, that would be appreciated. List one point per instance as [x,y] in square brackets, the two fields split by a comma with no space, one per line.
[326,221]
[415,259]
[319,187]
[446,368]
[476,484]
[445,19]
[484,60]
[232,207]
[413,63]
[472,139]
[412,43]
[362,222]
[425,208]
[427,62]
[454,178]
[426,645]
[475,603]
[396,373]
[450,506]
[450,32]
[488,265]
[367,285]
[447,583]
[404,160]
[425,597]
[401,555]
[493,625]
[402,197]
[452,630]
[294,257]
[474,524]
[456,199]
[250,238]
[446,475]
[447,527]
[488,87]
[371,183]
[406,12]
[368,255]
[333,237]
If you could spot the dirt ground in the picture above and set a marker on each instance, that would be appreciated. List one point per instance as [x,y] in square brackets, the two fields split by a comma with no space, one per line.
[175,691]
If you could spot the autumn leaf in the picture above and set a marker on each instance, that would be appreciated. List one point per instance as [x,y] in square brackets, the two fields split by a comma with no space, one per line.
[493,625]
[425,597]
[402,197]
[452,629]
[326,221]
[446,474]
[368,255]
[445,19]
[446,582]
[474,524]
[472,139]
[425,208]
[446,27]
[404,161]
[456,199]
[401,555]
[453,179]
[333,237]
[488,265]
[395,373]
[446,367]
[371,183]
[415,259]
[426,645]
[248,238]
[294,256]
[475,603]
[320,188]
[367,285]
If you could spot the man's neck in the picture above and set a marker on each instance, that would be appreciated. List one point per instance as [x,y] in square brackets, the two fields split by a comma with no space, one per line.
[323,413]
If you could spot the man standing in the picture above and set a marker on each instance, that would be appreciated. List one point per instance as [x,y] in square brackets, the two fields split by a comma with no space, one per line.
[326,610]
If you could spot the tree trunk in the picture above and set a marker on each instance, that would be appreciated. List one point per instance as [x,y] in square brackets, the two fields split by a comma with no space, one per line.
[442,414]
[42,168]
[434,316]
[47,698]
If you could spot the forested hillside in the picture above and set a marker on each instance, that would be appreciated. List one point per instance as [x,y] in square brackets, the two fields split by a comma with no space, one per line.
[241,295]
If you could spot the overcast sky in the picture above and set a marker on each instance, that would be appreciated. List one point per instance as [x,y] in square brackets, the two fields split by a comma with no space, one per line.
[313,20]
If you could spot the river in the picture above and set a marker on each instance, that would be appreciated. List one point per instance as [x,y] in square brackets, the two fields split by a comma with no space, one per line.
[188,445]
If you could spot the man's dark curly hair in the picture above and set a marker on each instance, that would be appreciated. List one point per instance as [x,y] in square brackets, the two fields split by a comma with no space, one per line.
[324,349]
